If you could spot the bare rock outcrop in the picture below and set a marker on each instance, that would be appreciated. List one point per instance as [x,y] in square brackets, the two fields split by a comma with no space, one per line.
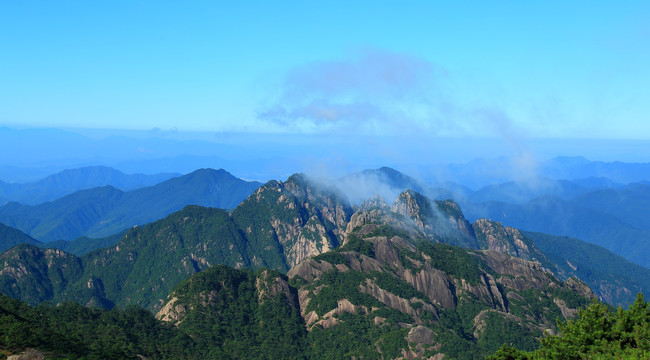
[420,335]
[492,235]
[522,274]
[271,286]
[310,269]
[328,319]
[172,312]
[581,288]
[434,284]
[305,217]
[396,302]
[29,354]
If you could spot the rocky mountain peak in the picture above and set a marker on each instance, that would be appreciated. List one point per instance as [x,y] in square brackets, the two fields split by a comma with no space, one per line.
[414,206]
[440,220]
[300,216]
[376,202]
[492,235]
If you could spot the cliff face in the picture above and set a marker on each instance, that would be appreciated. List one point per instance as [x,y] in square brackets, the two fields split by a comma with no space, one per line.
[441,221]
[296,217]
[492,235]
[391,279]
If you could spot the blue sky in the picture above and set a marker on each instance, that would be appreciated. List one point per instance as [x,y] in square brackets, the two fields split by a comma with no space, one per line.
[549,69]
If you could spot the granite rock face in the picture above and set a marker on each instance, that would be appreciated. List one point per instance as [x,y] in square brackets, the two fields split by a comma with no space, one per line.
[376,273]
[298,217]
[492,235]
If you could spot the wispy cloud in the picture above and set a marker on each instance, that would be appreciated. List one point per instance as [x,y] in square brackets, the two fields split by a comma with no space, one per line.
[374,92]
[378,92]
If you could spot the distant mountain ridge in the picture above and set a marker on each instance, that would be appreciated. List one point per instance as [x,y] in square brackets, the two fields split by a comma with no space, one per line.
[383,278]
[68,181]
[555,216]
[482,172]
[104,211]
[516,192]
[577,167]
[615,279]
[10,237]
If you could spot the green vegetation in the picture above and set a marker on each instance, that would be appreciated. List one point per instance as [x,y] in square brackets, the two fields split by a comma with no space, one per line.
[387,231]
[449,208]
[50,272]
[229,319]
[356,244]
[461,338]
[83,245]
[454,260]
[72,331]
[151,260]
[356,336]
[337,286]
[597,333]
[395,285]
[10,237]
[333,257]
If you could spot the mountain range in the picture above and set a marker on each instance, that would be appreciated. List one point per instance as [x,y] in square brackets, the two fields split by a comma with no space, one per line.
[629,200]
[104,211]
[596,210]
[282,224]
[68,181]
[383,277]
[483,172]
[578,218]
[411,278]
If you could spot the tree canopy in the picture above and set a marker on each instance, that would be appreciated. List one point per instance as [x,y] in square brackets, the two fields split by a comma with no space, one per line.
[597,333]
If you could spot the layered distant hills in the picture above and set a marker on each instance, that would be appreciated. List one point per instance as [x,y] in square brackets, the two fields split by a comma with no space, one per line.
[106,210]
[615,219]
[10,237]
[68,181]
